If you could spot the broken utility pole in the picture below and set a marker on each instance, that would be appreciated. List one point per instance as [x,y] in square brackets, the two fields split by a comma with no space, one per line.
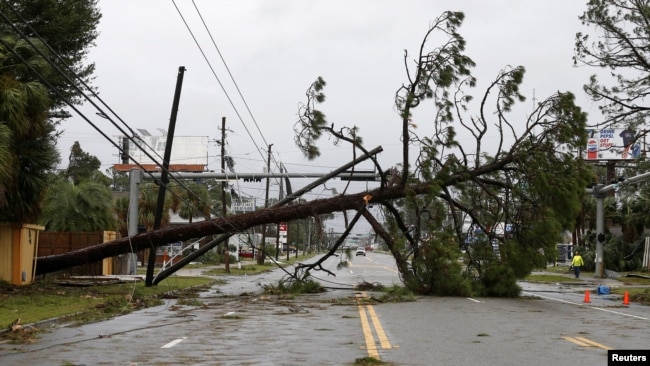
[164,180]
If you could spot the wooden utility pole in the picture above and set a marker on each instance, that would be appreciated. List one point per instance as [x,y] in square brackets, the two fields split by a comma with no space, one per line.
[277,235]
[260,256]
[226,255]
[164,180]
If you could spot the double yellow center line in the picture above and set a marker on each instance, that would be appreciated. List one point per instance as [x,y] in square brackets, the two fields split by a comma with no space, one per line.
[368,312]
[584,342]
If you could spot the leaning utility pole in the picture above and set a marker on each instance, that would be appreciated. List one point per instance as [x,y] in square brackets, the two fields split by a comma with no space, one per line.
[260,254]
[226,255]
[164,180]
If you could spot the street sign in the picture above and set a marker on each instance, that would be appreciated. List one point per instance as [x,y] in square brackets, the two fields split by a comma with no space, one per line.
[282,228]
[243,205]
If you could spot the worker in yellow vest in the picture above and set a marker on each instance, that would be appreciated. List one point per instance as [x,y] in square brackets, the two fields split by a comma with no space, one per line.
[576,263]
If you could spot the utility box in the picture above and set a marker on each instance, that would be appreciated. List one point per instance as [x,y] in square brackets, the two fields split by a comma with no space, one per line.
[107,263]
[18,251]
[564,253]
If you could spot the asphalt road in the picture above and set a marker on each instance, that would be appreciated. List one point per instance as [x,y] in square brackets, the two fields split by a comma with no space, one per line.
[550,325]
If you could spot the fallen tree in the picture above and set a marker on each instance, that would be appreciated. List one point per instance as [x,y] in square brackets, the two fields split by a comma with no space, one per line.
[522,174]
[230,224]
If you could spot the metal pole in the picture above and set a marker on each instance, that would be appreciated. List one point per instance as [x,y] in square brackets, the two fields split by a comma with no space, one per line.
[600,230]
[129,264]
[260,259]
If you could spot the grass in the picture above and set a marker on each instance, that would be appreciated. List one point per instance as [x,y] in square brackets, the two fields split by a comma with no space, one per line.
[640,295]
[44,300]
[247,268]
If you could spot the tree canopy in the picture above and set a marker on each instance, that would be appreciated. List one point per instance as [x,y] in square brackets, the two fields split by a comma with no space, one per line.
[83,207]
[68,28]
[81,165]
[27,136]
[531,179]
[43,44]
[618,41]
[616,44]
[79,198]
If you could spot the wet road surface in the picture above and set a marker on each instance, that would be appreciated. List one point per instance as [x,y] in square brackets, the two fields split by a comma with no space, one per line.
[236,324]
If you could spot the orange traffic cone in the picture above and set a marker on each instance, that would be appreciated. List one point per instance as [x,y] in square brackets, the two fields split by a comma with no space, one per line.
[587,299]
[626,299]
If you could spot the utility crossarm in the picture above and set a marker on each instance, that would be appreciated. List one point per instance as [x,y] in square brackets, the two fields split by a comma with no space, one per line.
[363,175]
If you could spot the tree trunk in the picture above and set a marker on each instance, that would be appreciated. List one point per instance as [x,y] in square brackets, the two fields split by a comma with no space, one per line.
[231,224]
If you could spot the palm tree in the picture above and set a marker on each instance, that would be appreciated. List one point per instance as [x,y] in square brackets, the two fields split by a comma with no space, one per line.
[5,155]
[85,207]
[191,202]
[27,137]
[148,204]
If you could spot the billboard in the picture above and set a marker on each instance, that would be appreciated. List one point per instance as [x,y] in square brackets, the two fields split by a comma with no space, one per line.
[185,149]
[612,144]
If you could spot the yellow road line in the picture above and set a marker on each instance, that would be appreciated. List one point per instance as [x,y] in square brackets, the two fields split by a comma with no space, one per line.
[576,341]
[381,335]
[367,334]
[365,312]
[589,341]
[584,342]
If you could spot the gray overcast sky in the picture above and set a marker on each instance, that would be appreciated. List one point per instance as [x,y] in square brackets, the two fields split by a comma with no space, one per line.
[276,49]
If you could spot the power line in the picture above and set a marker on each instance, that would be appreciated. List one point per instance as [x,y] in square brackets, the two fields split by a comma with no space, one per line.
[217,78]
[250,113]
[231,78]
[81,92]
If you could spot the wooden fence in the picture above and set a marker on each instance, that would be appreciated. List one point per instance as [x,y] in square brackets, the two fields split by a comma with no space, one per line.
[53,243]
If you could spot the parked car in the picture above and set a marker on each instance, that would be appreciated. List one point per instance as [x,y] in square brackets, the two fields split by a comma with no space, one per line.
[361,251]
[246,254]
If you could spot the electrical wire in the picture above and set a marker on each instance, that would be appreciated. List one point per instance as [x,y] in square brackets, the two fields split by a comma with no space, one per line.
[101,113]
[221,84]
[214,43]
[205,57]
[81,92]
